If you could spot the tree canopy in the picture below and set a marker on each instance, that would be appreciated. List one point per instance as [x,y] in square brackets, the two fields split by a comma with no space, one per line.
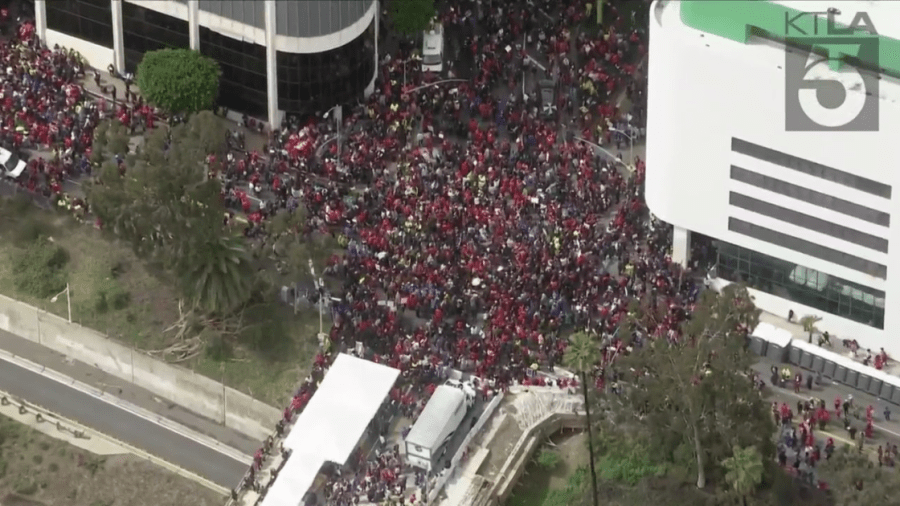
[745,471]
[411,17]
[854,480]
[179,80]
[692,394]
[171,212]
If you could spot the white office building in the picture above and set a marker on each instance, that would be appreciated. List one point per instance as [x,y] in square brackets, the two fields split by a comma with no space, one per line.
[803,215]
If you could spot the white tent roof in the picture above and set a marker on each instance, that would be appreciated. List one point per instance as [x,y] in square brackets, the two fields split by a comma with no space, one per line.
[331,425]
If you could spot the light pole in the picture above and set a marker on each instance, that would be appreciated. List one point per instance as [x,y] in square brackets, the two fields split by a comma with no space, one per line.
[339,121]
[429,85]
[603,150]
[630,141]
[320,289]
[68,300]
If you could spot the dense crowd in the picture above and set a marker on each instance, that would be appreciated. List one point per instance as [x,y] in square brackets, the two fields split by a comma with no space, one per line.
[490,231]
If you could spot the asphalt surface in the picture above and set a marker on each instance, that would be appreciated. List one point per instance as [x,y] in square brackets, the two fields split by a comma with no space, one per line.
[121,425]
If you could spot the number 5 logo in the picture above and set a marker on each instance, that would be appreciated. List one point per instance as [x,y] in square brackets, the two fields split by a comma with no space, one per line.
[847,104]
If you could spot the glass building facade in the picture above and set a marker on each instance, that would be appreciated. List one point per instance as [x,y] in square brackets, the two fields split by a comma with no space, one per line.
[147,30]
[315,82]
[243,83]
[801,284]
[90,20]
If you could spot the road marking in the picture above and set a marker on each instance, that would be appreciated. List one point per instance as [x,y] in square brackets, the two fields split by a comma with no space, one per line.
[876,427]
[125,446]
[157,419]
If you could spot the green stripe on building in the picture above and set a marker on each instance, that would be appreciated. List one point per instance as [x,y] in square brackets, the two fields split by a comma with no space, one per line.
[739,19]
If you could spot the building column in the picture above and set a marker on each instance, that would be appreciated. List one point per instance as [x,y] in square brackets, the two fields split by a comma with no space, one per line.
[272,66]
[194,24]
[118,36]
[681,246]
[40,19]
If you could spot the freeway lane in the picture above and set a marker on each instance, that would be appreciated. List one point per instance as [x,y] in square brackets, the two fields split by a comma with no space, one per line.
[120,424]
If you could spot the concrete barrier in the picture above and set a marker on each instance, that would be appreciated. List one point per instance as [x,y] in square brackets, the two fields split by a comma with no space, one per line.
[518,458]
[195,392]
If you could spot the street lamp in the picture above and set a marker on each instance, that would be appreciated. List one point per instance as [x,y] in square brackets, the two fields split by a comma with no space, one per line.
[338,121]
[68,300]
[630,140]
[320,288]
[603,150]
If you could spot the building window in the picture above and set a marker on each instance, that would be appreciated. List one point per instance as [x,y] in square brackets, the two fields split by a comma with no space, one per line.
[90,20]
[242,86]
[810,196]
[810,168]
[801,284]
[147,30]
[807,248]
[309,83]
[806,221]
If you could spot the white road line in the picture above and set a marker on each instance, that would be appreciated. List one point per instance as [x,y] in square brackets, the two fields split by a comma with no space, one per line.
[160,420]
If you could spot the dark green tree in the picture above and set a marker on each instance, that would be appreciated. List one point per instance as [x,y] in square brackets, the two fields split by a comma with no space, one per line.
[581,356]
[693,395]
[179,81]
[172,213]
[855,480]
[745,471]
[411,17]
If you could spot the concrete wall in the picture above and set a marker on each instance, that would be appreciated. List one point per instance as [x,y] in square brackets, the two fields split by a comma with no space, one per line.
[532,438]
[192,391]
[96,56]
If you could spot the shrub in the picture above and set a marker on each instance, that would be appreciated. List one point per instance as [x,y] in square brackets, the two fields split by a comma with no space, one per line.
[39,269]
[179,80]
[101,303]
[31,229]
[53,467]
[37,459]
[119,298]
[548,459]
[27,488]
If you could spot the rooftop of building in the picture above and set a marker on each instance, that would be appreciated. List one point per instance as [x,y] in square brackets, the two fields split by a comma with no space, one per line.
[295,18]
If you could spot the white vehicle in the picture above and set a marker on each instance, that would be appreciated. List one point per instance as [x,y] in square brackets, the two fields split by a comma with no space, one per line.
[11,165]
[427,441]
[433,48]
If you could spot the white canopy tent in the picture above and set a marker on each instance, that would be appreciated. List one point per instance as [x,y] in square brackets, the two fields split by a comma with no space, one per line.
[332,424]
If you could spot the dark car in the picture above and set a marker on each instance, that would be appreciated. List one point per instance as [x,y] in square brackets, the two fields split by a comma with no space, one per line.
[547,93]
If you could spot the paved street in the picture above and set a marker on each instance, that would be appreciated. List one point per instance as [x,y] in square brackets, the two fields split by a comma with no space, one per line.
[126,391]
[885,431]
[121,425]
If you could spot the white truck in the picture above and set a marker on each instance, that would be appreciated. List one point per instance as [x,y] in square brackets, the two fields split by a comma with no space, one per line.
[428,440]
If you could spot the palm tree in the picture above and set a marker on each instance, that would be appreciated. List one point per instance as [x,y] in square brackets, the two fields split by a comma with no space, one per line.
[809,325]
[219,276]
[581,356]
[744,471]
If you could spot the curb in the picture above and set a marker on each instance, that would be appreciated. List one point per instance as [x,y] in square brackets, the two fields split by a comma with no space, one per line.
[160,420]
[47,415]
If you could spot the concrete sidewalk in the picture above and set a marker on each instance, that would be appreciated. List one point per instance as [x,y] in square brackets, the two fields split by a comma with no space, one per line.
[126,391]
